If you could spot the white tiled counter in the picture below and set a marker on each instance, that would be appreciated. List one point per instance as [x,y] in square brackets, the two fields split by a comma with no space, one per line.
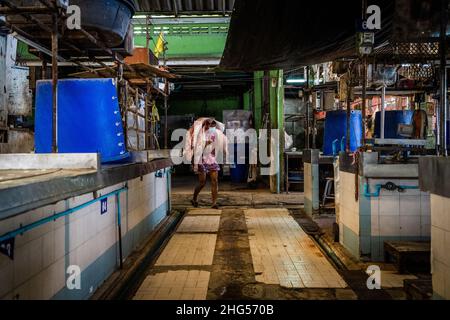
[369,214]
[87,238]
[311,178]
[435,178]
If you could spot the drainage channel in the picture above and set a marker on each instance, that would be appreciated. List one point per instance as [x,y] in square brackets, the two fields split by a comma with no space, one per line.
[123,284]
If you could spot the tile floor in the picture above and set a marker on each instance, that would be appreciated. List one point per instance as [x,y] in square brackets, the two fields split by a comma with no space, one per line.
[282,254]
[188,250]
[192,224]
[175,285]
[391,279]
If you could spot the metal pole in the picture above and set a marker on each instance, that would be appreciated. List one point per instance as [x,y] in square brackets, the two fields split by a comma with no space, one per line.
[444,84]
[119,227]
[383,111]
[307,97]
[349,83]
[55,84]
[314,128]
[166,92]
[44,69]
[364,101]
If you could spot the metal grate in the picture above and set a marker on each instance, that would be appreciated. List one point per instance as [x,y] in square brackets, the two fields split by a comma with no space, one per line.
[418,72]
[409,51]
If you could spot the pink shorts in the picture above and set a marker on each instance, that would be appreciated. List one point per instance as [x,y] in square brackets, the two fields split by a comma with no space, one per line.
[207,168]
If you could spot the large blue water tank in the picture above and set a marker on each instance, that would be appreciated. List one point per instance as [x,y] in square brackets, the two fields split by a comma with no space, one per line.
[392,120]
[336,129]
[89,119]
[240,162]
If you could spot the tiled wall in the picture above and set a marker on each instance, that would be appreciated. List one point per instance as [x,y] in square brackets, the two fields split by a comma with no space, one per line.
[311,176]
[348,213]
[367,223]
[440,246]
[395,216]
[85,238]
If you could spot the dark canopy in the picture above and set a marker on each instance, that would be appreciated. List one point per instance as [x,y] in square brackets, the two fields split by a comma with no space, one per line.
[282,34]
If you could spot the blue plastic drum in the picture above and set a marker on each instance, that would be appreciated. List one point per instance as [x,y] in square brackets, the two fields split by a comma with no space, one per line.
[89,119]
[336,129]
[391,122]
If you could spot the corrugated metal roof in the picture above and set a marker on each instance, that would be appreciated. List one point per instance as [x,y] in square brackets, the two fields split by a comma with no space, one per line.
[183,7]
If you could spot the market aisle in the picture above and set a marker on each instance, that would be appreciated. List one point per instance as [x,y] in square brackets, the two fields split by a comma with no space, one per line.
[182,270]
[284,254]
[230,253]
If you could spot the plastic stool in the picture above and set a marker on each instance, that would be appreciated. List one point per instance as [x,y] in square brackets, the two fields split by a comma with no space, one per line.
[327,195]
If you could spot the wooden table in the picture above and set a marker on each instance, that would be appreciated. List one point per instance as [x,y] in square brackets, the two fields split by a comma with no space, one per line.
[411,256]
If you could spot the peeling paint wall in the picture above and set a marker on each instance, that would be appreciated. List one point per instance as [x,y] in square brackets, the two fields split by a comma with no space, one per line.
[15,99]
[18,96]
[19,141]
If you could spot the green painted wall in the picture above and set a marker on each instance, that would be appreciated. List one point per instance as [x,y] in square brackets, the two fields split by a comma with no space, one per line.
[209,107]
[247,101]
[184,41]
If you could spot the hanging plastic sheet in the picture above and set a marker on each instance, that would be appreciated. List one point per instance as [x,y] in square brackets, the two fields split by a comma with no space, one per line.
[286,34]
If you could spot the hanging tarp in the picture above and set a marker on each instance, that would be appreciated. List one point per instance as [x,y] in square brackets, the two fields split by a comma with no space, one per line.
[284,34]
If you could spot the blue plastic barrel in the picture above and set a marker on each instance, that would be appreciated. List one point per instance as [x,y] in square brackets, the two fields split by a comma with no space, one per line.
[392,120]
[239,167]
[336,129]
[89,119]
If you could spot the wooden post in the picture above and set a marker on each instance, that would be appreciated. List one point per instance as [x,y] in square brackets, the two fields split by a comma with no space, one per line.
[55,84]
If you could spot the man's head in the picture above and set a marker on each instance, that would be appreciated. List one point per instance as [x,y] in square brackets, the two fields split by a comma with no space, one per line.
[210,123]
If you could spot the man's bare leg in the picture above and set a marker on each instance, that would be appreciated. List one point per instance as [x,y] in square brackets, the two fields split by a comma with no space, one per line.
[214,175]
[199,188]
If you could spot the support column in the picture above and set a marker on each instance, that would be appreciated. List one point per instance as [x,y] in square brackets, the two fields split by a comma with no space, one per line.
[55,84]
[444,81]
[277,123]
[311,178]
[258,98]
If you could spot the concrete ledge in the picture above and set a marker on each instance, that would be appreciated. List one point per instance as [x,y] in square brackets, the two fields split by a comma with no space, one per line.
[311,156]
[435,175]
[33,161]
[346,163]
[391,171]
[28,196]
[159,154]
[146,156]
